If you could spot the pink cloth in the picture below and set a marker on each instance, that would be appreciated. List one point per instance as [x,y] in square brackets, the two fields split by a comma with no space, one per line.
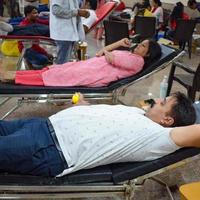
[94,72]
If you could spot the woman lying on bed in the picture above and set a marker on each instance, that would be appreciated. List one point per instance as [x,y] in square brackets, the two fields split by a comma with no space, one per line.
[95,72]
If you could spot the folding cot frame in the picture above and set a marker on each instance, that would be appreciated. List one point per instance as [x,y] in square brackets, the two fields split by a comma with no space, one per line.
[120,179]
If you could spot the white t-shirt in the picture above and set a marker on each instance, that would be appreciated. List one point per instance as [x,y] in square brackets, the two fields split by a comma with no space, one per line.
[90,20]
[96,135]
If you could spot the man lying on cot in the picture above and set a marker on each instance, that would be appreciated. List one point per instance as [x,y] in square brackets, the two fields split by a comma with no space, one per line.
[87,136]
[95,72]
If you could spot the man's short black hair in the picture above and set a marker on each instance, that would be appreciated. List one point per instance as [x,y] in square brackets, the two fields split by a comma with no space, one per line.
[29,9]
[182,111]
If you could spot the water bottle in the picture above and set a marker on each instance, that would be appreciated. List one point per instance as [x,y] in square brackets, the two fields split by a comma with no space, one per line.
[163,87]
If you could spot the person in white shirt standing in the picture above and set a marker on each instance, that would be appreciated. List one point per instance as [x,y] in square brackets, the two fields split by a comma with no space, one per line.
[66,26]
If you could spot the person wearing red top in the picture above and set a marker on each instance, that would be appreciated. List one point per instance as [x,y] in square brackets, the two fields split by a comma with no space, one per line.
[177,13]
[36,55]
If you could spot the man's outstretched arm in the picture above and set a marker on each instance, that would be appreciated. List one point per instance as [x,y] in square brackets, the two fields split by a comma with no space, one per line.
[186,136]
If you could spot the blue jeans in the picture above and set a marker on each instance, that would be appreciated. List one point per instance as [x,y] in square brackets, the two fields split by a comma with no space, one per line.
[27,147]
[64,51]
[15,21]
[43,8]
[38,60]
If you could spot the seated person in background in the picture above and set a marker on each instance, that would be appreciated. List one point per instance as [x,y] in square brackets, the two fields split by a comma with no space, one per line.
[140,6]
[32,16]
[145,11]
[94,72]
[157,11]
[177,13]
[91,6]
[87,136]
[36,56]
[194,5]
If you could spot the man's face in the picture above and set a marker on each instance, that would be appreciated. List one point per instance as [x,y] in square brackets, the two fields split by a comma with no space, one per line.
[160,112]
[33,15]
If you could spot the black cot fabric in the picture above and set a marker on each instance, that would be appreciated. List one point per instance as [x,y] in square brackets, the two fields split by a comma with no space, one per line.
[167,55]
[113,173]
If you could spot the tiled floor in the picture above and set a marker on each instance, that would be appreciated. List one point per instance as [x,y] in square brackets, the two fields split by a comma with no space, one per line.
[187,173]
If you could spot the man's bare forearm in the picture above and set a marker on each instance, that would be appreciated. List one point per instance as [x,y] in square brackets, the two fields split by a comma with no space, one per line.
[186,136]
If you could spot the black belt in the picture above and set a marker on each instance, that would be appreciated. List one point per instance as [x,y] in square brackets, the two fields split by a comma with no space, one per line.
[54,137]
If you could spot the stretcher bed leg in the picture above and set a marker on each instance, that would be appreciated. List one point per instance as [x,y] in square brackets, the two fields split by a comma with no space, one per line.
[12,109]
[19,62]
[130,190]
[5,100]
[165,185]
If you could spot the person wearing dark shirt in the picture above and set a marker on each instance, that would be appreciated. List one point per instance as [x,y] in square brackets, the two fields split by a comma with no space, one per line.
[177,13]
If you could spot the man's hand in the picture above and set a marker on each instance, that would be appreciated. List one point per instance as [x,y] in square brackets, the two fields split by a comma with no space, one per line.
[82,100]
[109,56]
[83,13]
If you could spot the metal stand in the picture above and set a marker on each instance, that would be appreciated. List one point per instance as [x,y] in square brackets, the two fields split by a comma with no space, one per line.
[165,185]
